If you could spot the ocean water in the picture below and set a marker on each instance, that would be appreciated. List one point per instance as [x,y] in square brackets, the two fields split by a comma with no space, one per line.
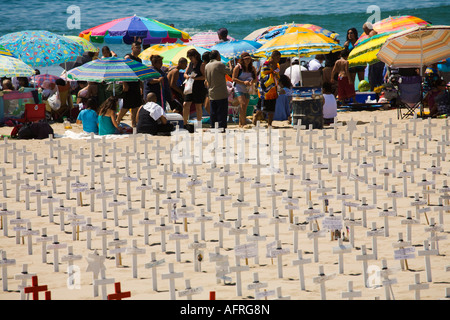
[193,16]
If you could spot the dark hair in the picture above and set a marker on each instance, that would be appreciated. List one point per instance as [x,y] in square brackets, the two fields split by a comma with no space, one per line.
[60,82]
[181,60]
[214,54]
[25,79]
[275,53]
[327,87]
[136,43]
[285,81]
[194,53]
[155,57]
[355,32]
[222,33]
[107,49]
[92,104]
[206,56]
[250,67]
[109,104]
[345,53]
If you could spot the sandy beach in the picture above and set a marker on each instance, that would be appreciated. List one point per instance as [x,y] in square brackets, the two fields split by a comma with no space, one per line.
[364,142]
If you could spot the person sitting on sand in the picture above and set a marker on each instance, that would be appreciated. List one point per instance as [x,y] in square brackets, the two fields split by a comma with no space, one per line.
[151,118]
[437,99]
[107,123]
[329,105]
[88,117]
[346,88]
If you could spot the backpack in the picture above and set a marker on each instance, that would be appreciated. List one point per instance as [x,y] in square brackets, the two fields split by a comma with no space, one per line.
[36,130]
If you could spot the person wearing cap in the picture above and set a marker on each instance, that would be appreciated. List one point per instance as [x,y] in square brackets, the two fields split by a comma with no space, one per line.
[293,72]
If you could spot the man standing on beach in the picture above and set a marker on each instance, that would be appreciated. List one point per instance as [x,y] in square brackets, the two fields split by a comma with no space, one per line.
[346,87]
[376,78]
[215,72]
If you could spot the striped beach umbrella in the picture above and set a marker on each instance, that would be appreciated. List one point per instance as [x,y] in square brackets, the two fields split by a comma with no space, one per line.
[12,67]
[397,24]
[205,39]
[416,47]
[40,48]
[112,69]
[128,29]
[234,48]
[304,42]
[366,51]
[87,46]
[275,31]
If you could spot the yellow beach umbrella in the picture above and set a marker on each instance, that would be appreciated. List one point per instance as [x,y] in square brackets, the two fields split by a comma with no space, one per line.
[302,42]
[158,49]
[366,51]
[87,46]
[171,57]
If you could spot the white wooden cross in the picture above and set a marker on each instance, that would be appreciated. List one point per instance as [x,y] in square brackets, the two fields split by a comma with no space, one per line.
[59,149]
[157,191]
[255,238]
[221,265]
[43,239]
[88,227]
[171,206]
[79,187]
[50,142]
[258,185]
[130,212]
[70,258]
[24,154]
[117,251]
[178,236]
[50,200]
[341,249]
[3,179]
[237,232]
[300,262]
[364,207]
[55,246]
[4,213]
[134,251]
[4,264]
[405,251]
[162,228]
[374,233]
[19,225]
[314,235]
[24,276]
[104,232]
[45,167]
[62,210]
[417,286]
[426,253]
[221,224]
[295,227]
[364,257]
[146,222]
[256,284]
[103,282]
[35,163]
[153,264]
[198,256]
[394,195]
[208,190]
[350,294]
[189,291]
[29,232]
[386,214]
[321,279]
[203,219]
[278,252]
[352,223]
[409,221]
[69,154]
[81,156]
[386,282]
[38,194]
[171,276]
[238,269]
[76,221]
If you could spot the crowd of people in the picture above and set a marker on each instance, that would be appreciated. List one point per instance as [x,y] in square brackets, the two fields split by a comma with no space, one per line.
[199,81]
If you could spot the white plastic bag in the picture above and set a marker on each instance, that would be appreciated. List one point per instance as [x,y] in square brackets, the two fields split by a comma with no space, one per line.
[54,101]
[189,84]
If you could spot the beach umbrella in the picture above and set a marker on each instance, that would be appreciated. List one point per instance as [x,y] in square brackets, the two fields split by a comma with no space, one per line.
[87,46]
[205,39]
[171,57]
[301,43]
[128,29]
[40,78]
[266,34]
[366,51]
[111,70]
[234,48]
[396,23]
[12,67]
[157,49]
[416,47]
[40,48]
[5,52]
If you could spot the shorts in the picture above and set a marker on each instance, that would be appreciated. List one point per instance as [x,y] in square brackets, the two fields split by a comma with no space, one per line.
[242,94]
[345,89]
[266,105]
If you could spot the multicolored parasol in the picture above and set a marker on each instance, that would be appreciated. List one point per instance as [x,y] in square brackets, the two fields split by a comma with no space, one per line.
[128,29]
[205,39]
[366,51]
[12,67]
[87,46]
[157,49]
[234,48]
[171,57]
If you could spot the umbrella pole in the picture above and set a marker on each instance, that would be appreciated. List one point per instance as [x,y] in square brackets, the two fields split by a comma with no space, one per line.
[114,88]
[300,70]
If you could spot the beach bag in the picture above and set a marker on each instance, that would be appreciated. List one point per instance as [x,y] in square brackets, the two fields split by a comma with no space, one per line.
[188,86]
[36,130]
[54,101]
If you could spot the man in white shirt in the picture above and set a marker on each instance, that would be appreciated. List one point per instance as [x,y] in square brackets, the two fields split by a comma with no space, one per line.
[293,72]
[316,63]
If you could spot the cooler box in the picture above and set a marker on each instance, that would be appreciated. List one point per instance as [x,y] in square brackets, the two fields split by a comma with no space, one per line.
[361,97]
[175,119]
[309,110]
[34,112]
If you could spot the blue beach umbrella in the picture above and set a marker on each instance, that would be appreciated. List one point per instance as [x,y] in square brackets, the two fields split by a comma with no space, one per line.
[40,48]
[233,49]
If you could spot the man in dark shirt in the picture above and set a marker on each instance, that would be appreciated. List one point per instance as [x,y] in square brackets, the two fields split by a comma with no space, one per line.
[132,91]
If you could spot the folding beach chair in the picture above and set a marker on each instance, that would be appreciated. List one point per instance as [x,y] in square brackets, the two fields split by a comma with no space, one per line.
[410,97]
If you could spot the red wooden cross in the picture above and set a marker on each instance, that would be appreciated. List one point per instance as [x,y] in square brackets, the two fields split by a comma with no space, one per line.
[118,295]
[35,289]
